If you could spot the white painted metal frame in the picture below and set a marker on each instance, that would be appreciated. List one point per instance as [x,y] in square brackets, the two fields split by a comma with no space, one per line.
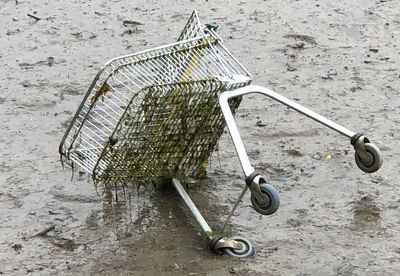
[192,207]
[234,131]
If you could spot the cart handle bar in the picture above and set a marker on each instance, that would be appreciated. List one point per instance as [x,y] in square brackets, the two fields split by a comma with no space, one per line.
[234,131]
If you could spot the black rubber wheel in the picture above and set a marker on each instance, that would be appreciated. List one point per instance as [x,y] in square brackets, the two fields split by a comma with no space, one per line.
[375,159]
[246,251]
[272,200]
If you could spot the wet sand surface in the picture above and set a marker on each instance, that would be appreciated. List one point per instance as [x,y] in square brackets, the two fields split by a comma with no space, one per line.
[334,219]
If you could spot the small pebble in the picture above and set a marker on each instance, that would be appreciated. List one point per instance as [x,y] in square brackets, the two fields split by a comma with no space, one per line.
[374,47]
[17,246]
[260,124]
[233,270]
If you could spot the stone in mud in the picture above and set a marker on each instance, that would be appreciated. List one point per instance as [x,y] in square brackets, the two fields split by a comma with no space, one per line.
[233,270]
[317,156]
[260,123]
[26,83]
[17,247]
[374,47]
[294,152]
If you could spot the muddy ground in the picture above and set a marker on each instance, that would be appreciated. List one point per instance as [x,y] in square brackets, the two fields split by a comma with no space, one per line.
[334,219]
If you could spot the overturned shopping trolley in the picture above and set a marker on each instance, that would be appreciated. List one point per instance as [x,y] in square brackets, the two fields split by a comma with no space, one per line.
[159,113]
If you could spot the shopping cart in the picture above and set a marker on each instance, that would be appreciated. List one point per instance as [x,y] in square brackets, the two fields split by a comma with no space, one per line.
[158,114]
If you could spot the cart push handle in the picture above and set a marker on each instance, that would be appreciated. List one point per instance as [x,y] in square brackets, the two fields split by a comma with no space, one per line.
[367,156]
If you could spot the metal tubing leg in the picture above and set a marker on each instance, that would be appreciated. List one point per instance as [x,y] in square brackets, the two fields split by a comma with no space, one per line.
[196,213]
[233,130]
[234,208]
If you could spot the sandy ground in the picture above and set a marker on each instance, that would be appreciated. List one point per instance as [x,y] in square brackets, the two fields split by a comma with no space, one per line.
[334,219]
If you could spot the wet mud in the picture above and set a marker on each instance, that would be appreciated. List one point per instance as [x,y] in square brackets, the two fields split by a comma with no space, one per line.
[340,58]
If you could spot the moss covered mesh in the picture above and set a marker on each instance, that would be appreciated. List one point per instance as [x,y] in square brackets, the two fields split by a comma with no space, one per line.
[169,134]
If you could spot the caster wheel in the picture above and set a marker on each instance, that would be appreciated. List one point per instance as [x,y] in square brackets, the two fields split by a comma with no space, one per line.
[272,202]
[246,251]
[213,245]
[375,159]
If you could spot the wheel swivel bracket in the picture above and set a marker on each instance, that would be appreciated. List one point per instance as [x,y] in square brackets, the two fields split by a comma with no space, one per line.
[253,181]
[358,141]
[218,243]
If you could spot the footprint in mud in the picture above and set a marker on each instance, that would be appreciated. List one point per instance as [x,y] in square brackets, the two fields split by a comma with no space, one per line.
[366,214]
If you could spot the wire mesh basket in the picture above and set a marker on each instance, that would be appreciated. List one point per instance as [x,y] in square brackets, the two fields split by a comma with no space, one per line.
[155,113]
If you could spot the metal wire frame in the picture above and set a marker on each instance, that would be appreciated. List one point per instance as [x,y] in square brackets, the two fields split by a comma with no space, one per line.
[192,28]
[123,81]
